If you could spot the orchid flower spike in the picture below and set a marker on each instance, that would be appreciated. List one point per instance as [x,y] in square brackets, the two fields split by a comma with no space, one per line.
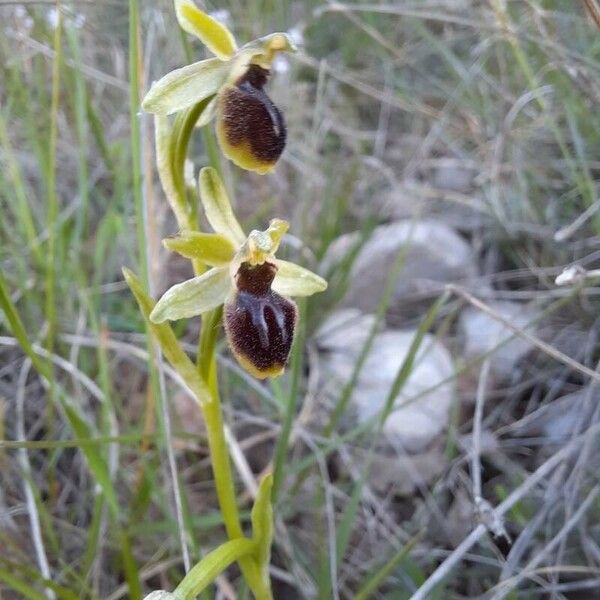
[246,277]
[250,128]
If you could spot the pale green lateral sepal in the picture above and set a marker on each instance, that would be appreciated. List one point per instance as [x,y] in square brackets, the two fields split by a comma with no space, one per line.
[186,86]
[294,280]
[193,297]
[217,207]
[211,249]
[214,35]
[162,133]
[262,525]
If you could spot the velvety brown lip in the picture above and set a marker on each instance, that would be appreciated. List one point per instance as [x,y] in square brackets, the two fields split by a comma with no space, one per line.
[259,322]
[250,117]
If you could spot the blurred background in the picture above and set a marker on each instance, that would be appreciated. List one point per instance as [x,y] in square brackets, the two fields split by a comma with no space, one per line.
[441,171]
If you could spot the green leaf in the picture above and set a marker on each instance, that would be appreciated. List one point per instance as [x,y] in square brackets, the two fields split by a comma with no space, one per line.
[211,249]
[185,86]
[262,524]
[211,565]
[194,296]
[217,206]
[18,330]
[294,280]
[214,35]
[93,456]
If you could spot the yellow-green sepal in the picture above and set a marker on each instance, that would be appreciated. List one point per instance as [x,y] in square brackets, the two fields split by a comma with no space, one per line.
[194,296]
[186,86]
[211,249]
[293,280]
[214,35]
[217,206]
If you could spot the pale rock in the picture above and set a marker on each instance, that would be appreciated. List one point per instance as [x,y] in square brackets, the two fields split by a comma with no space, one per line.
[481,333]
[344,328]
[434,254]
[419,416]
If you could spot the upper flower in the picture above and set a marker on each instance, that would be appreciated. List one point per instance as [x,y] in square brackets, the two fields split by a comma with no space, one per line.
[250,128]
[246,277]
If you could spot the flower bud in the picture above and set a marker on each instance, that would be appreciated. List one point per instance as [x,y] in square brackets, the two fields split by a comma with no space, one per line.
[259,322]
[250,128]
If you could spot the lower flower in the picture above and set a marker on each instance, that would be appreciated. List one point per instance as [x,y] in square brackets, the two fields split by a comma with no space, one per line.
[246,277]
[259,322]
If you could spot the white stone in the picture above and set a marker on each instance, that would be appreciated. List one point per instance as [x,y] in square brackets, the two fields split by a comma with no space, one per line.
[482,333]
[344,328]
[419,415]
[434,254]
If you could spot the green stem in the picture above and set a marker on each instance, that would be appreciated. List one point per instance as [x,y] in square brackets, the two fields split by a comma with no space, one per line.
[213,417]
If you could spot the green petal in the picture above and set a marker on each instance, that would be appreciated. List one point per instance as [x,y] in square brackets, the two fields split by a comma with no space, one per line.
[208,114]
[211,249]
[186,86]
[217,207]
[215,36]
[294,280]
[277,229]
[193,297]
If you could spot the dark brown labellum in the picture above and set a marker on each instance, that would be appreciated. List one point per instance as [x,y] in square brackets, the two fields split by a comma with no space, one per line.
[251,128]
[259,322]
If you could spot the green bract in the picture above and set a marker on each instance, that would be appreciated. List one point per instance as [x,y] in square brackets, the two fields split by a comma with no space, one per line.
[250,128]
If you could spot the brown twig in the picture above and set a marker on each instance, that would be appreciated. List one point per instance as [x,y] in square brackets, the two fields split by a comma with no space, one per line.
[594,11]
